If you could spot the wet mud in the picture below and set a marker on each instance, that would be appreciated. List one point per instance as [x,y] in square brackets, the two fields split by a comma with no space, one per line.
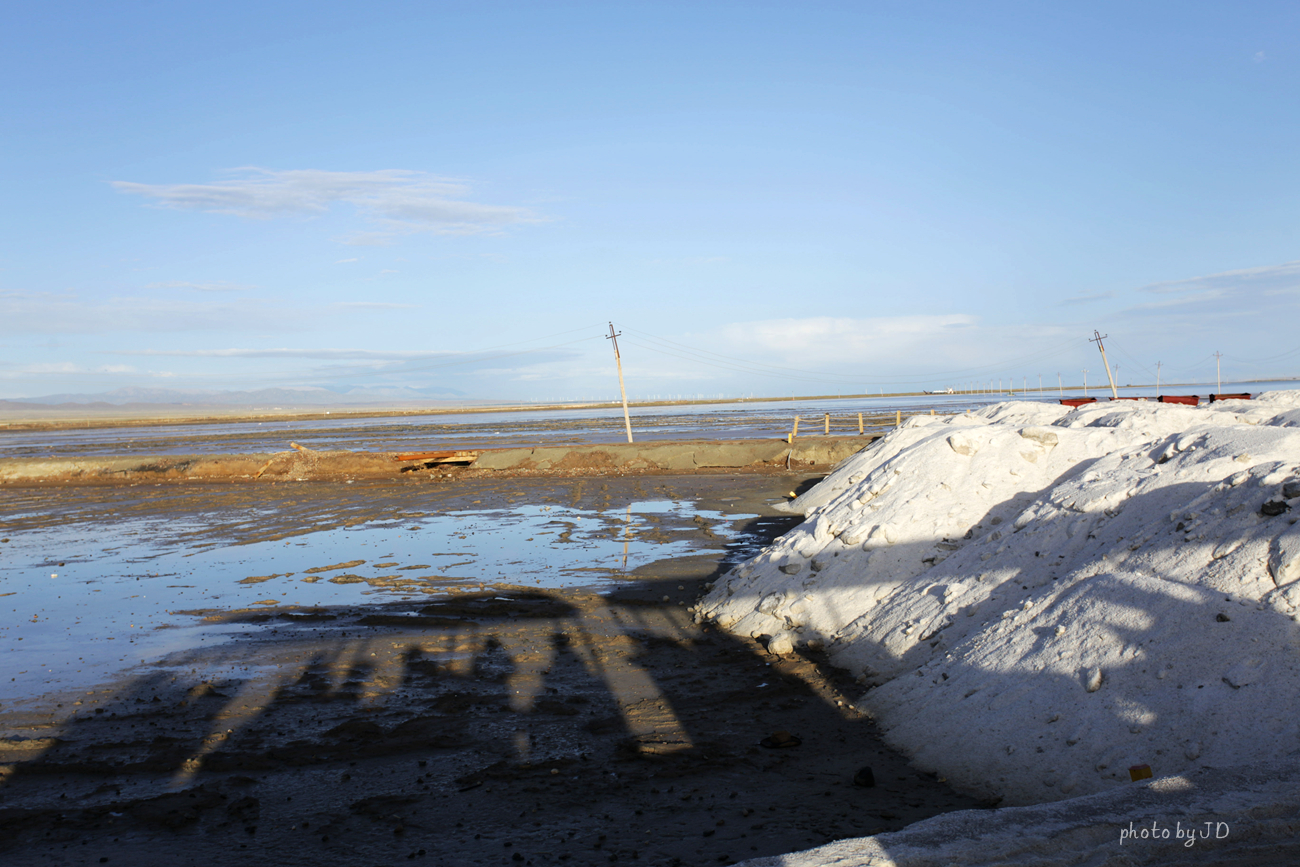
[508,725]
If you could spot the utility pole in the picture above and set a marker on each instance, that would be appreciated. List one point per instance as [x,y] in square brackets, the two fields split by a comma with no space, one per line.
[1059,386]
[1157,379]
[1218,377]
[1040,383]
[1097,338]
[1085,382]
[627,420]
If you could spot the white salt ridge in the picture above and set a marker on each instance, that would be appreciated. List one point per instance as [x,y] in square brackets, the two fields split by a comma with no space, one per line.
[1248,817]
[1042,597]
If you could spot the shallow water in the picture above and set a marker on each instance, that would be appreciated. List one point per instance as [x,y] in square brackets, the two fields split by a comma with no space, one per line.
[740,420]
[86,597]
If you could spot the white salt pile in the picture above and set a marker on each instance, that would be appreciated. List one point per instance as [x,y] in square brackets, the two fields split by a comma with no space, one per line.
[1040,598]
[1241,817]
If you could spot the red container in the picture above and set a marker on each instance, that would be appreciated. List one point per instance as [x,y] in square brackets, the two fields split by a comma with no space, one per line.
[1187,399]
[1077,401]
[1242,396]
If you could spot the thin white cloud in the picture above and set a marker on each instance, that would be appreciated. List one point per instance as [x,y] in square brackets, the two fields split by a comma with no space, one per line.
[31,313]
[692,260]
[1266,277]
[398,201]
[1226,293]
[67,368]
[324,353]
[1085,299]
[200,287]
[828,336]
[345,261]
[851,351]
[375,305]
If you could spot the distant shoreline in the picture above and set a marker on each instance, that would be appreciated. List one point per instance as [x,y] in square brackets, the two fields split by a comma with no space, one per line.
[56,417]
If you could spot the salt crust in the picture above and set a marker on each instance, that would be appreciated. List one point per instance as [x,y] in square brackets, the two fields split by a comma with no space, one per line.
[1039,598]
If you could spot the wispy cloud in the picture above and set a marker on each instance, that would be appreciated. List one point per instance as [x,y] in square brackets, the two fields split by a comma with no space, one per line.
[321,353]
[375,305]
[201,287]
[1286,275]
[1232,292]
[835,349]
[693,260]
[32,313]
[65,368]
[1085,299]
[397,201]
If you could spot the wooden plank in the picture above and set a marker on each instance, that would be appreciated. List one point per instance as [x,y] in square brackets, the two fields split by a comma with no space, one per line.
[454,457]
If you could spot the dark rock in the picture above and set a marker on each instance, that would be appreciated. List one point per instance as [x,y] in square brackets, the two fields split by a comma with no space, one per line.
[780,740]
[865,778]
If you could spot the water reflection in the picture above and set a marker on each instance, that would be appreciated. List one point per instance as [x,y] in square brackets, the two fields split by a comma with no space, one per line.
[84,598]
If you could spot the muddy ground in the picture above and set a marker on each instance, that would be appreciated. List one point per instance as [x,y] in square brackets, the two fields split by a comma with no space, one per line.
[510,726]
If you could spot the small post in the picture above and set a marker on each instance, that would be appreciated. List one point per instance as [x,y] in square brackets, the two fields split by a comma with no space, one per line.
[860,428]
[932,411]
[827,430]
[794,432]
[898,418]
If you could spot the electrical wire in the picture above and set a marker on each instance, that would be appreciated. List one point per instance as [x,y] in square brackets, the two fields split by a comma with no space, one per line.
[726,362]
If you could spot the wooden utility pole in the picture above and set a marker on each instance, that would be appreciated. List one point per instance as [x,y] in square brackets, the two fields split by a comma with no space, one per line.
[1218,377]
[1157,379]
[627,420]
[1097,338]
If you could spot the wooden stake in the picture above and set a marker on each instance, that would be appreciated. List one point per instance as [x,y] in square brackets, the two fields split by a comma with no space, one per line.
[898,418]
[860,428]
[828,424]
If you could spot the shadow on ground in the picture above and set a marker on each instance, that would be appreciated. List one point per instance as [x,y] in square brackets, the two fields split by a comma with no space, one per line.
[515,726]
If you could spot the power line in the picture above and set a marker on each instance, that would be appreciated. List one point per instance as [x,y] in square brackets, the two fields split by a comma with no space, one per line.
[727,362]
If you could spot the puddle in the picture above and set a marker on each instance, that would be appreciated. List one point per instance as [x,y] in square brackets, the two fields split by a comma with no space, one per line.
[86,599]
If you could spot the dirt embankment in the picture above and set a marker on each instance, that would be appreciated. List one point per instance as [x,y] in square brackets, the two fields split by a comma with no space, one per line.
[302,464]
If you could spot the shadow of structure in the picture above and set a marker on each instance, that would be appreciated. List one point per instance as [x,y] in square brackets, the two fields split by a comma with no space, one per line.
[508,726]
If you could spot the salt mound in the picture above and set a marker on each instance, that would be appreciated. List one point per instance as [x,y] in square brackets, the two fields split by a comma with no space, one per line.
[1042,597]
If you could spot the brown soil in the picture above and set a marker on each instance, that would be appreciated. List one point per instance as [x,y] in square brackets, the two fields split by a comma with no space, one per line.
[515,726]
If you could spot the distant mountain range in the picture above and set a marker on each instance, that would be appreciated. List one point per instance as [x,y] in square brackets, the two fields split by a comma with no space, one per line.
[275,397]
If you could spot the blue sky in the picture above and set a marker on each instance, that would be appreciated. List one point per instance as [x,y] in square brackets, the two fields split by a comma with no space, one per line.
[767,198]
